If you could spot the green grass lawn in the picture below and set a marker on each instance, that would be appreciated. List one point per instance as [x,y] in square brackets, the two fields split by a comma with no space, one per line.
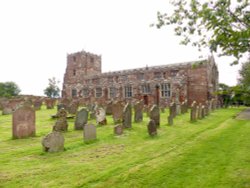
[213,152]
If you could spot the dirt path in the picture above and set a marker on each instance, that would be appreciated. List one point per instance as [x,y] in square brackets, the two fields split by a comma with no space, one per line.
[244,114]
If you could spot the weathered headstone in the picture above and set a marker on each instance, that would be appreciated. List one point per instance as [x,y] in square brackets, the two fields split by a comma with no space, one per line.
[53,142]
[199,111]
[61,123]
[50,103]
[101,116]
[138,108]
[118,129]
[23,122]
[73,107]
[193,112]
[127,116]
[203,111]
[117,111]
[109,108]
[81,119]
[37,104]
[155,114]
[152,128]
[89,132]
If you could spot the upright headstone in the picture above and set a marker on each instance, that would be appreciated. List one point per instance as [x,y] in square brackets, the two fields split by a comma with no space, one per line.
[81,119]
[117,111]
[171,114]
[109,108]
[155,114]
[73,107]
[50,103]
[127,116]
[53,142]
[37,104]
[152,128]
[138,109]
[101,116]
[118,129]
[193,113]
[61,123]
[23,122]
[199,111]
[203,114]
[89,132]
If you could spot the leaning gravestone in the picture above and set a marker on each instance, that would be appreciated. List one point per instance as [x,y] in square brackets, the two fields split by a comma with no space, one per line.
[23,122]
[81,119]
[118,129]
[127,116]
[89,133]
[61,124]
[155,114]
[152,128]
[138,108]
[53,142]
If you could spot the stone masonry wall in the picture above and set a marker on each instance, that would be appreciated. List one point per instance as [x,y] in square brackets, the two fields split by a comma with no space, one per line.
[192,80]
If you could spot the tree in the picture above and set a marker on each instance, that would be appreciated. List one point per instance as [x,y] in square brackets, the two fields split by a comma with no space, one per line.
[52,90]
[244,81]
[9,89]
[221,25]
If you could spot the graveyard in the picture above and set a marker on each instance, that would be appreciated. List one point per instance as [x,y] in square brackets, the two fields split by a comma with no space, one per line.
[209,152]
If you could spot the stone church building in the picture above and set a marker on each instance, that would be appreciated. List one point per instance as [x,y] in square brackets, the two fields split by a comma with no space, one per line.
[84,80]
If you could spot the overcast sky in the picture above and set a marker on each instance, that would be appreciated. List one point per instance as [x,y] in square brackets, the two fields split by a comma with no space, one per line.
[36,35]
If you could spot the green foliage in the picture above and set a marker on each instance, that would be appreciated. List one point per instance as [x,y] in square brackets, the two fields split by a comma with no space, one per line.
[244,80]
[9,89]
[213,152]
[52,90]
[217,24]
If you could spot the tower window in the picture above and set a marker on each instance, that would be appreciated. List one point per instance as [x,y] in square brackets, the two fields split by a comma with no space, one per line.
[74,93]
[74,72]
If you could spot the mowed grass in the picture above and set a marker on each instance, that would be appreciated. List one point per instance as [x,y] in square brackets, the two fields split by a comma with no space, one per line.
[213,152]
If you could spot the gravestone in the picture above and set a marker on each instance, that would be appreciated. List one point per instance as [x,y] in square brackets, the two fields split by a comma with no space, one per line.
[61,123]
[199,111]
[154,114]
[127,116]
[152,128]
[118,129]
[101,116]
[89,132]
[117,111]
[109,108]
[171,114]
[203,112]
[81,119]
[138,108]
[53,142]
[193,112]
[73,107]
[23,122]
[37,104]
[50,103]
